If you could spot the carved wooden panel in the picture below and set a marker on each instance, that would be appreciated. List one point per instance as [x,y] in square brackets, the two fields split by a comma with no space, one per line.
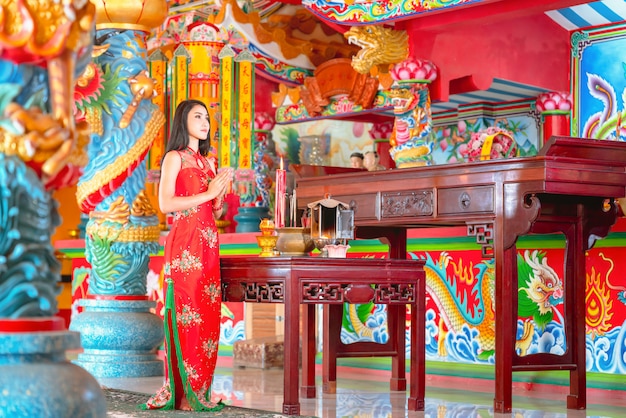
[484,237]
[405,204]
[388,293]
[273,292]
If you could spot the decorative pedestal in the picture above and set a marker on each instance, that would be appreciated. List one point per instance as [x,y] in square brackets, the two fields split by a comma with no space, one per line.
[249,217]
[120,338]
[555,108]
[35,376]
[263,352]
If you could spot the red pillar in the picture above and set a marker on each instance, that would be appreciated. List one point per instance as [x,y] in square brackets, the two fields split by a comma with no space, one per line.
[555,124]
[382,148]
[555,108]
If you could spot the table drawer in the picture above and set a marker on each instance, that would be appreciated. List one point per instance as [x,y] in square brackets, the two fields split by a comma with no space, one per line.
[460,200]
[365,205]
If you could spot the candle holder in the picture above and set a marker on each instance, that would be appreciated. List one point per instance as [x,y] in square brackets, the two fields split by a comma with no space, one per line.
[267,240]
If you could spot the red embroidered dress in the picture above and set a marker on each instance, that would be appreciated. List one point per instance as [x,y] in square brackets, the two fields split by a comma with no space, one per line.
[192,296]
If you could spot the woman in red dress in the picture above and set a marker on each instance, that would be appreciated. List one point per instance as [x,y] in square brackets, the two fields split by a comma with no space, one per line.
[191,189]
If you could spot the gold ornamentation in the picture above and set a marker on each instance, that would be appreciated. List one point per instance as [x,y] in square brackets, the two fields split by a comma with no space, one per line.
[46,28]
[55,32]
[141,15]
[121,164]
[142,206]
[142,87]
[115,223]
[380,47]
[93,116]
[44,140]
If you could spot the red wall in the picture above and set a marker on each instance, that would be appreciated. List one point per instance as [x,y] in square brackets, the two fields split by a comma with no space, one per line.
[263,89]
[529,49]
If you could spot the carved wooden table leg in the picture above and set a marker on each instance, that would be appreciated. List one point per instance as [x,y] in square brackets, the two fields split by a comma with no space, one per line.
[333,315]
[506,317]
[307,390]
[418,350]
[291,401]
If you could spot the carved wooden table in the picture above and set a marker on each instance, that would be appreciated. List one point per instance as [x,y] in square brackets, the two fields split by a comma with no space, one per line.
[333,281]
[569,187]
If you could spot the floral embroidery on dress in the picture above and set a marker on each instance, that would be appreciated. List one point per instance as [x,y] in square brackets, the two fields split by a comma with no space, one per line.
[188,316]
[186,262]
[182,214]
[210,347]
[212,291]
[210,235]
[191,371]
[206,393]
[161,398]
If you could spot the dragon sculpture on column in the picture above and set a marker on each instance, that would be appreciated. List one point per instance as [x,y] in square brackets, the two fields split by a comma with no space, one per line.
[123,229]
[43,45]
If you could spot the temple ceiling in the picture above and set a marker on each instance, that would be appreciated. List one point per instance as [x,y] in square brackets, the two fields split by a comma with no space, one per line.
[288,41]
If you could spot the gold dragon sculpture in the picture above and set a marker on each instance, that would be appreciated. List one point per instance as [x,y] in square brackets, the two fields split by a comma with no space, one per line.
[381,47]
[51,34]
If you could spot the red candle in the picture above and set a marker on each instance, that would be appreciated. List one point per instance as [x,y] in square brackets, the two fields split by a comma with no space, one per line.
[281,190]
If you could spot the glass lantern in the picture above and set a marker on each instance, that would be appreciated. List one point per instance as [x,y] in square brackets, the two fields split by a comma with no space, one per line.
[332,223]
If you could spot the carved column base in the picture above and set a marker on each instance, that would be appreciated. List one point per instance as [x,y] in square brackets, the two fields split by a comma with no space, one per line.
[35,376]
[120,338]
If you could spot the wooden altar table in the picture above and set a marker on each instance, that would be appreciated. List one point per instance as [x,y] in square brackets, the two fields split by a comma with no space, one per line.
[331,281]
[568,188]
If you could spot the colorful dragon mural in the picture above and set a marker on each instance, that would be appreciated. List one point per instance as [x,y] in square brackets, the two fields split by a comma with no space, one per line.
[462,307]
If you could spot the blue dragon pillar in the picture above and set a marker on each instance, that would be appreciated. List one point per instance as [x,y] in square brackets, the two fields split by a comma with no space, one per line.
[120,332]
[42,49]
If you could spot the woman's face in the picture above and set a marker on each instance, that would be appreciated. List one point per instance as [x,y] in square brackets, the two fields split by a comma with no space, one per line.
[198,124]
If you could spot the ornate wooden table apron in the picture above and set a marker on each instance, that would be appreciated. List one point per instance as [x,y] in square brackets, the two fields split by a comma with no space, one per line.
[569,187]
[315,280]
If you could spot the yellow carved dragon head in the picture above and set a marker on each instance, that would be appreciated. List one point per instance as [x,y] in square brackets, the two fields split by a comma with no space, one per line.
[380,46]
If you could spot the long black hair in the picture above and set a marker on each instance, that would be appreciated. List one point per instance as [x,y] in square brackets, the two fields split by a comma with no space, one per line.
[179,135]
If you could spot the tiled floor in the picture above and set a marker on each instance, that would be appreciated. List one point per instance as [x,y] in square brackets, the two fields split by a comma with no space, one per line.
[364,393]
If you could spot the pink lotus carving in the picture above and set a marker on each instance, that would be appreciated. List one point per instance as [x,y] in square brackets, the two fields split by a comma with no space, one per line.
[554,101]
[263,121]
[414,69]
